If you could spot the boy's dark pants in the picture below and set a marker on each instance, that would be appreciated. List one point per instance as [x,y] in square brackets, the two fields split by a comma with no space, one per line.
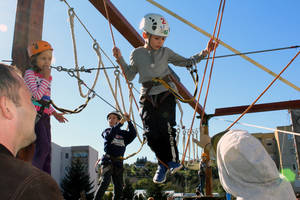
[42,154]
[158,113]
[114,171]
[201,185]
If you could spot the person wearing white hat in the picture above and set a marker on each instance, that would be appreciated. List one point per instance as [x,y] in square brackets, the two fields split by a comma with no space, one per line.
[247,171]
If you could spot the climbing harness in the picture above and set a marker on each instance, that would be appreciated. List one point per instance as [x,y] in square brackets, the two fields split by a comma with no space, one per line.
[164,81]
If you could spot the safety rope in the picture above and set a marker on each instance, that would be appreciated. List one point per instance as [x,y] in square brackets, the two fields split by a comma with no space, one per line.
[279,149]
[71,73]
[177,135]
[123,72]
[175,93]
[194,150]
[118,85]
[132,115]
[250,106]
[183,139]
[114,43]
[221,7]
[95,47]
[181,113]
[197,148]
[138,151]
[223,44]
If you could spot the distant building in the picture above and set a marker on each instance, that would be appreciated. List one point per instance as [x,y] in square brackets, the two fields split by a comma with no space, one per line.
[62,158]
[287,149]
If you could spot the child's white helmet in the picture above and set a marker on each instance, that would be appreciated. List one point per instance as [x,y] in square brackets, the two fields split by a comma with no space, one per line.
[155,24]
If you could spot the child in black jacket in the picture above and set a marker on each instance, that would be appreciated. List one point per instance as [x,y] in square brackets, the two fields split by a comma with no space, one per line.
[115,142]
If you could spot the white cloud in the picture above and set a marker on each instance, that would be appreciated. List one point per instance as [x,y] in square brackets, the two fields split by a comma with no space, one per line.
[3,28]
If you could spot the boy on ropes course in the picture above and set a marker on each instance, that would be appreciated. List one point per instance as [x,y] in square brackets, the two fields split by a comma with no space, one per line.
[157,104]
[38,79]
[115,142]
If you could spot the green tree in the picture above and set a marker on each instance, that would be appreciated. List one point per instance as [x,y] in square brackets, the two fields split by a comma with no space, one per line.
[156,191]
[77,181]
[128,191]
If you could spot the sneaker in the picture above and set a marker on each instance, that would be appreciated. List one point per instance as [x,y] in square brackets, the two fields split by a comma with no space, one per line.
[174,167]
[160,174]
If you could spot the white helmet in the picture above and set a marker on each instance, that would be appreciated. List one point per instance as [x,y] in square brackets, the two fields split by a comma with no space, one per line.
[155,24]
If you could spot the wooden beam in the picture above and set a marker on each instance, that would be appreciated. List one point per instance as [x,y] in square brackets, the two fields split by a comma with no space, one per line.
[28,28]
[119,22]
[295,104]
[132,36]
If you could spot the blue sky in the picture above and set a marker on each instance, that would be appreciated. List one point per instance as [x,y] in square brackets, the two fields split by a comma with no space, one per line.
[247,26]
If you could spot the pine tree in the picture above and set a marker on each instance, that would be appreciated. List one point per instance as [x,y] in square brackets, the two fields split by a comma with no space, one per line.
[77,181]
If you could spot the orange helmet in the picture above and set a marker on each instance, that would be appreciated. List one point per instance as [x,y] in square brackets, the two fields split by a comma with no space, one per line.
[38,47]
[204,155]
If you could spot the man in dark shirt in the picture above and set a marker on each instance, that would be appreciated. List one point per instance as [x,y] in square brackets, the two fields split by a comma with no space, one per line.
[115,142]
[19,180]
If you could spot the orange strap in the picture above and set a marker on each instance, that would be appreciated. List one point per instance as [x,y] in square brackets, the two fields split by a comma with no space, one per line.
[222,4]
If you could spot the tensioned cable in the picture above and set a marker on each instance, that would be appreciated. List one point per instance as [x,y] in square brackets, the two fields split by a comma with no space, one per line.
[72,74]
[255,52]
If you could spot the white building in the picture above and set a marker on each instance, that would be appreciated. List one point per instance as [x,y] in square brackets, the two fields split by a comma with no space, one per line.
[62,158]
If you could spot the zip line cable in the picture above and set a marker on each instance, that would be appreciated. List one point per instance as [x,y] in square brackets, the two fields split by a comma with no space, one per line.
[254,52]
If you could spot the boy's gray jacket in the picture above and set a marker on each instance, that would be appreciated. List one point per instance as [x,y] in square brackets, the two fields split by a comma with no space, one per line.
[154,64]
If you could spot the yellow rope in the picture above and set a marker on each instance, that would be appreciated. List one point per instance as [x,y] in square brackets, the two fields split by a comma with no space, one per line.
[174,92]
[223,44]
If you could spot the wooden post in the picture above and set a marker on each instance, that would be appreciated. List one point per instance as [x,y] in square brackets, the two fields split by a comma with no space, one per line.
[28,28]
[208,171]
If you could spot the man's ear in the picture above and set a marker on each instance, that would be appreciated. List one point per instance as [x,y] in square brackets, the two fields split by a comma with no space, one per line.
[6,107]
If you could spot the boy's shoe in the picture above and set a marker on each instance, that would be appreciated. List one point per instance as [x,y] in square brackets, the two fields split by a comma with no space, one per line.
[174,167]
[160,174]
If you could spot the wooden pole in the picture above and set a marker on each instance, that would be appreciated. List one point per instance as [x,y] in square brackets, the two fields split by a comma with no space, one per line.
[208,171]
[28,28]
